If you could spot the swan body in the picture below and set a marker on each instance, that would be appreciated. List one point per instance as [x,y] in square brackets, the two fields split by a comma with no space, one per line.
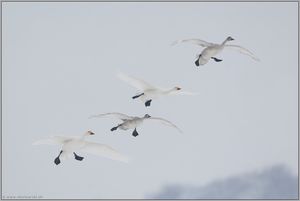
[79,144]
[133,123]
[208,53]
[148,92]
[212,49]
[129,122]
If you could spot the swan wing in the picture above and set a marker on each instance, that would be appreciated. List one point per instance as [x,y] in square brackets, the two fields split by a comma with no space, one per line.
[104,151]
[55,140]
[165,122]
[199,42]
[180,92]
[242,50]
[135,82]
[117,115]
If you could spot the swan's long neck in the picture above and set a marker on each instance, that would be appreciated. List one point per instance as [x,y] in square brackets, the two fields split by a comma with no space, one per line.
[82,137]
[225,41]
[169,91]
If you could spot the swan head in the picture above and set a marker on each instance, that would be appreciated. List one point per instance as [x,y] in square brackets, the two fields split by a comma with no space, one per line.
[229,38]
[89,133]
[147,116]
[177,88]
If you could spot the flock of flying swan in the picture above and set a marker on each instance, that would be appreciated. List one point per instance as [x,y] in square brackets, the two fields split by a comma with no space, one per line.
[70,146]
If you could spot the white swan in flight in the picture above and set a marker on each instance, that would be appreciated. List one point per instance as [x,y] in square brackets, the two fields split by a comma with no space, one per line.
[78,144]
[148,92]
[129,122]
[212,49]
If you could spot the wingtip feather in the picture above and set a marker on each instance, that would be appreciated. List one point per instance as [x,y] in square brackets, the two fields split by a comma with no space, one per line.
[35,143]
[176,42]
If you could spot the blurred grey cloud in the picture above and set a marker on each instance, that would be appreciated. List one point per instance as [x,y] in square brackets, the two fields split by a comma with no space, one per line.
[276,182]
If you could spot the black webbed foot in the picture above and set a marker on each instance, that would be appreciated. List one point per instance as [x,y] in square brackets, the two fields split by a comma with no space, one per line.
[135,133]
[197,61]
[56,160]
[147,103]
[79,158]
[114,128]
[216,59]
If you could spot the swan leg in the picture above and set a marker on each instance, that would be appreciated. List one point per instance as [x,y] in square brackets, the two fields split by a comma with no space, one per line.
[114,128]
[79,158]
[135,133]
[197,61]
[147,103]
[137,96]
[57,160]
[216,59]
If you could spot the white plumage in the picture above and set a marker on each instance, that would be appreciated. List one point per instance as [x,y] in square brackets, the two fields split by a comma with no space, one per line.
[72,145]
[212,49]
[130,122]
[148,92]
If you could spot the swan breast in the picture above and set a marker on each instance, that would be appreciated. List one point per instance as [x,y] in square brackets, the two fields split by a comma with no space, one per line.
[131,123]
[73,145]
[211,51]
[152,93]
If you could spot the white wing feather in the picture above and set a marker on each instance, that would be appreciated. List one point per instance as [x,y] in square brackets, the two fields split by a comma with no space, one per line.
[180,92]
[165,122]
[135,82]
[104,151]
[113,114]
[199,42]
[55,140]
[242,50]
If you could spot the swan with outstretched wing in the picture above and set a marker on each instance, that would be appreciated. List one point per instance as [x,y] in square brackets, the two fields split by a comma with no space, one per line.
[147,92]
[211,50]
[79,144]
[134,122]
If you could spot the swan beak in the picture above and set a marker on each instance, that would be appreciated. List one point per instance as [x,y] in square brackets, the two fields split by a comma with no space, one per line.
[91,133]
[178,88]
[231,38]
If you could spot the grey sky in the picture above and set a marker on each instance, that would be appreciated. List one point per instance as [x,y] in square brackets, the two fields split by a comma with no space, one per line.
[59,66]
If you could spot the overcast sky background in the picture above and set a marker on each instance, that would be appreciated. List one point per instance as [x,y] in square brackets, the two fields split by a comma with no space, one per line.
[59,63]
